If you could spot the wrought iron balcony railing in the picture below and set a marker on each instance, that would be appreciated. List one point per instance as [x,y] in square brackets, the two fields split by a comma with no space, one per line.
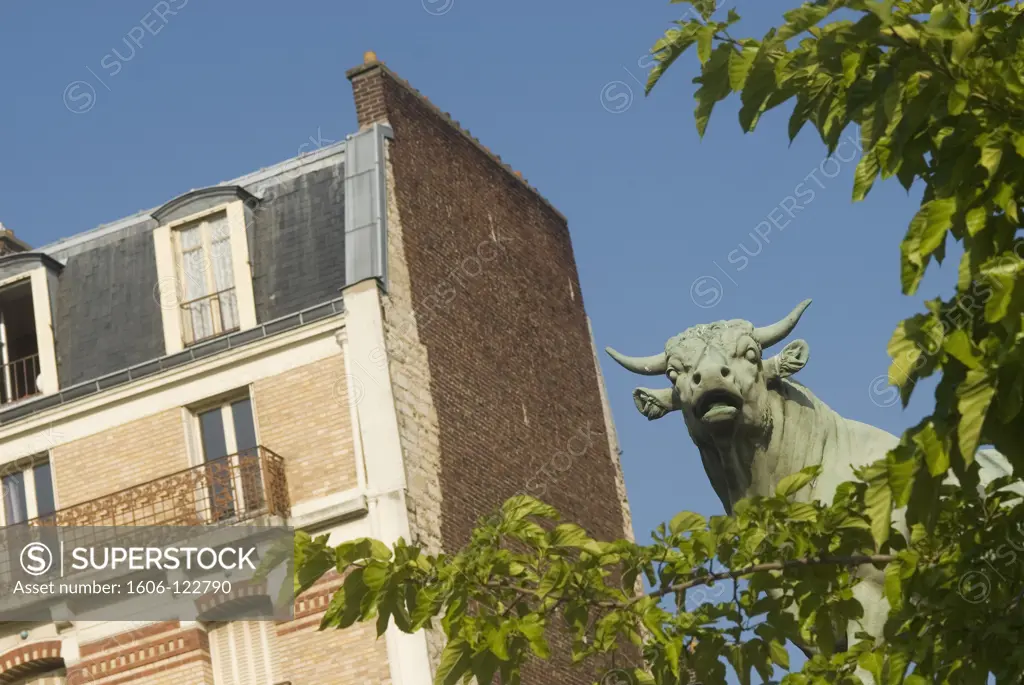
[233,489]
[209,316]
[18,379]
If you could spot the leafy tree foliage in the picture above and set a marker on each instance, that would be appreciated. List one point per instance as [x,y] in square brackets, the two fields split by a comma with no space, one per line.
[937,91]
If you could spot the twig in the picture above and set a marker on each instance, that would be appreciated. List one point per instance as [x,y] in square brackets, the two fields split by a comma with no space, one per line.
[694,581]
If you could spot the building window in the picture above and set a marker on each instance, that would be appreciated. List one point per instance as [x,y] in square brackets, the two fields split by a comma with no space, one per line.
[27,491]
[242,652]
[227,437]
[209,304]
[204,278]
[19,346]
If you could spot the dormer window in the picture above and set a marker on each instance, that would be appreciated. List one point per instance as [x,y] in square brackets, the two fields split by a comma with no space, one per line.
[202,263]
[210,305]
[19,346]
[28,364]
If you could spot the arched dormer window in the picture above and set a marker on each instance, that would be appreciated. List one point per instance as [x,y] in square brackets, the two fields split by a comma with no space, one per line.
[203,269]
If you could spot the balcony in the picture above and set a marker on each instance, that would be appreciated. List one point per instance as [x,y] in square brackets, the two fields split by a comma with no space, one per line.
[233,489]
[19,379]
[244,488]
[209,316]
[19,346]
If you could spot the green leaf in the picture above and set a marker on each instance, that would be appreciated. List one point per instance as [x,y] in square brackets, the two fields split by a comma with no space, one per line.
[714,80]
[904,351]
[760,85]
[704,36]
[497,640]
[1003,274]
[801,111]
[935,453]
[778,653]
[375,576]
[958,96]
[959,345]
[894,586]
[864,176]
[963,44]
[569,535]
[555,580]
[519,507]
[897,663]
[973,399]
[686,522]
[878,503]
[739,65]
[938,218]
[990,158]
[872,663]
[802,511]
[851,62]
[976,219]
[795,482]
[454,663]
[901,470]
[667,50]
[313,558]
[801,19]
[532,628]
[348,603]
[1004,199]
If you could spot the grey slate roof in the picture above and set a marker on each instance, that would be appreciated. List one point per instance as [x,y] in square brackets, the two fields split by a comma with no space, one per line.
[106,308]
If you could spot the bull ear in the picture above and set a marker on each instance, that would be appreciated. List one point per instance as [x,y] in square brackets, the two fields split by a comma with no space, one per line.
[791,359]
[654,403]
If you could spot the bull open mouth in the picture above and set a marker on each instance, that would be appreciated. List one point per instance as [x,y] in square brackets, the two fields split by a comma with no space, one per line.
[718,405]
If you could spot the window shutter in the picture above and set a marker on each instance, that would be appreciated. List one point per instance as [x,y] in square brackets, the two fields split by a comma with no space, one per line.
[243,652]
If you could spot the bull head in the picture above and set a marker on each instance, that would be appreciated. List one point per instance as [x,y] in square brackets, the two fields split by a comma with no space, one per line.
[717,369]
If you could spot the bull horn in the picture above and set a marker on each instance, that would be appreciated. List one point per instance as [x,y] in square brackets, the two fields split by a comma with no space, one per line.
[655,365]
[766,336]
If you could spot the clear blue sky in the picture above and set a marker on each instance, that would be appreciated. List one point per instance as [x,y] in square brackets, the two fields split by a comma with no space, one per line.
[554,87]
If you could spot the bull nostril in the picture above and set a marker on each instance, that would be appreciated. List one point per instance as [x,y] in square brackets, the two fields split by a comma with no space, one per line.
[696,379]
[725,372]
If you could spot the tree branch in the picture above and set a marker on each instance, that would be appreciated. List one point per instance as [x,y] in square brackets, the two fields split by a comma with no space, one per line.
[694,581]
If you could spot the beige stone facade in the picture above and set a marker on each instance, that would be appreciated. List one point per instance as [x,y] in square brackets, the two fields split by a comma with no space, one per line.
[313,425]
[120,457]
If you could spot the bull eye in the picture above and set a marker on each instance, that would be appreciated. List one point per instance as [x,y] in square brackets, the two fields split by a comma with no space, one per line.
[751,355]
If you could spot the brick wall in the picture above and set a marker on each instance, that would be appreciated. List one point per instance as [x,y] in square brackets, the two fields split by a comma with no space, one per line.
[119,458]
[303,415]
[500,326]
[158,654]
[354,656]
[418,425]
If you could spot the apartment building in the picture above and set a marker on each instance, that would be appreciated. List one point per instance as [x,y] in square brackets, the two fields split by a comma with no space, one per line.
[384,337]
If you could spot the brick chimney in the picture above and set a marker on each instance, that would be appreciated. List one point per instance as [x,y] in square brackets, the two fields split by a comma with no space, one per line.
[9,244]
[368,90]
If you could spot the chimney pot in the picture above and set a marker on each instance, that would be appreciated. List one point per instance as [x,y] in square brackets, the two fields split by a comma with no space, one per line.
[9,243]
[369,57]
